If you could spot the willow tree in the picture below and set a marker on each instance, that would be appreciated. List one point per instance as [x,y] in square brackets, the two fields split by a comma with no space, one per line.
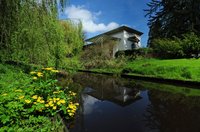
[30,32]
[10,15]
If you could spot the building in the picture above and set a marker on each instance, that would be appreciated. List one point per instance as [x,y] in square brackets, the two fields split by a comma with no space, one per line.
[126,39]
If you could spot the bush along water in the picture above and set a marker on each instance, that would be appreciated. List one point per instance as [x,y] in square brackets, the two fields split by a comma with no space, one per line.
[32,105]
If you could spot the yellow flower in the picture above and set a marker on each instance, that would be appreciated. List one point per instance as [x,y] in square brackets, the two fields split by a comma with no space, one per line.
[35,103]
[57,99]
[62,101]
[39,98]
[34,78]
[54,107]
[28,101]
[77,104]
[50,103]
[39,74]
[18,90]
[73,94]
[46,105]
[54,100]
[71,106]
[34,96]
[73,111]
[21,97]
[56,71]
[48,69]
[71,114]
[32,72]
[42,101]
[55,92]
[58,103]
[5,94]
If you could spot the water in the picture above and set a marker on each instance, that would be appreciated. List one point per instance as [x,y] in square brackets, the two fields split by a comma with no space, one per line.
[110,104]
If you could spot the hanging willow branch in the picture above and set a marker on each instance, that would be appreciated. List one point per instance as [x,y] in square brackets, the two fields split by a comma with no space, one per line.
[30,32]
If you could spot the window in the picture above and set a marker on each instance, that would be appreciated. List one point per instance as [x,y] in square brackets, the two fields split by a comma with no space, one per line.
[133,46]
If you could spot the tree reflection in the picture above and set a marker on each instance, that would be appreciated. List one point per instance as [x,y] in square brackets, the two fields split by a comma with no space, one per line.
[172,113]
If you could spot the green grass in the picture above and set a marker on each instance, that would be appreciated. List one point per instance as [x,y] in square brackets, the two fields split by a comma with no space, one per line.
[11,76]
[183,69]
[169,88]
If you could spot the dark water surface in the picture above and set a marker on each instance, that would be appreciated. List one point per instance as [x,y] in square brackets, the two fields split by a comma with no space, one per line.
[109,104]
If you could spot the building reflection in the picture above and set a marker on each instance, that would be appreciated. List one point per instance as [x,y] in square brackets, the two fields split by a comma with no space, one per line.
[100,93]
[112,104]
[110,89]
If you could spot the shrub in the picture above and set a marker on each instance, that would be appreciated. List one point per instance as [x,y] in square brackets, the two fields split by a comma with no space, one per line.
[191,44]
[187,46]
[135,53]
[98,54]
[167,48]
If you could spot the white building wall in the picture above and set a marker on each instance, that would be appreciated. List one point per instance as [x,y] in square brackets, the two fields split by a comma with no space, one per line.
[120,45]
[129,43]
[124,43]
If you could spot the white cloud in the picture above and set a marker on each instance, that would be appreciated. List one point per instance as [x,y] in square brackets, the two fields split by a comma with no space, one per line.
[88,19]
[89,104]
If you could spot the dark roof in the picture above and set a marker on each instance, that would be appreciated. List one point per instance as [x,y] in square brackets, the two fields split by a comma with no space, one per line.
[116,30]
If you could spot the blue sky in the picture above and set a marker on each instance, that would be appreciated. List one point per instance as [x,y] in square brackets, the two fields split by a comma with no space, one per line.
[99,16]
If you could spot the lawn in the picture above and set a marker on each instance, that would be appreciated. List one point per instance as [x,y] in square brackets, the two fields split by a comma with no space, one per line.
[182,69]
[185,69]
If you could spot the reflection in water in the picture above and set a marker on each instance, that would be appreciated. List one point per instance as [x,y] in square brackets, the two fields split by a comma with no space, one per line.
[117,105]
[173,112]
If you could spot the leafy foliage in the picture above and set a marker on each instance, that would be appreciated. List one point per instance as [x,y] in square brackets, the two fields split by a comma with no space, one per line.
[135,53]
[29,101]
[166,48]
[187,46]
[168,18]
[31,33]
[74,37]
[191,45]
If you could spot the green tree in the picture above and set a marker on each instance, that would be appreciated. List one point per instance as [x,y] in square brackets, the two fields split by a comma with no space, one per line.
[169,18]
[30,32]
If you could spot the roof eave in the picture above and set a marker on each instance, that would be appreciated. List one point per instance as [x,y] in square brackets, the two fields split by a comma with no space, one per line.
[117,30]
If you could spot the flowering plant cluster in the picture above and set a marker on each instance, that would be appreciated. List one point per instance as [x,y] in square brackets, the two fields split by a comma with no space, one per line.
[40,96]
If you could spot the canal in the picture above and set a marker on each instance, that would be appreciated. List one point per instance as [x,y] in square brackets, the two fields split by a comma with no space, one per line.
[111,104]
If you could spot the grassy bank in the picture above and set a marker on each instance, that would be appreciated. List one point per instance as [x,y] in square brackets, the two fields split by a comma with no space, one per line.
[32,102]
[182,69]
